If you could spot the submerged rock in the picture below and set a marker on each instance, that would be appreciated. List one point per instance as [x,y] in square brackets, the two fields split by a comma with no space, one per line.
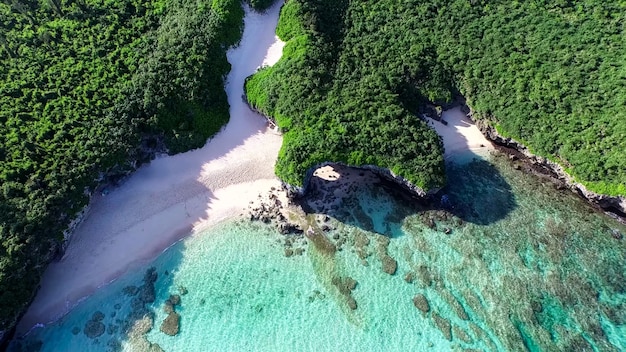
[97,316]
[390,265]
[174,300]
[420,302]
[93,329]
[171,324]
[409,277]
[443,325]
[130,290]
[351,303]
[461,335]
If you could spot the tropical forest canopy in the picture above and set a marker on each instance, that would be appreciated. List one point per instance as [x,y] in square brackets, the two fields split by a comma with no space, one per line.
[354,75]
[87,88]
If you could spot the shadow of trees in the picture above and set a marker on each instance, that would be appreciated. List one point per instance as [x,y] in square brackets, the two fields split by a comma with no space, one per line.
[476,192]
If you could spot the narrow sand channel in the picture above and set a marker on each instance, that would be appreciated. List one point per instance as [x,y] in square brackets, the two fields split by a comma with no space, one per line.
[172,196]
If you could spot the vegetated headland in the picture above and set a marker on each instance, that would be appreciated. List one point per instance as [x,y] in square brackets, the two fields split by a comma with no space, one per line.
[356,80]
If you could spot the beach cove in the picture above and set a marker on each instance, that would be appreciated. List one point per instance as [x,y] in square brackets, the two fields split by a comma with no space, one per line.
[174,195]
[506,262]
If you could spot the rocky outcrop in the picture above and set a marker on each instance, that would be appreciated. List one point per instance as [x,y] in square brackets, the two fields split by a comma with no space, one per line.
[420,302]
[613,204]
[298,191]
[95,327]
[171,324]
[346,285]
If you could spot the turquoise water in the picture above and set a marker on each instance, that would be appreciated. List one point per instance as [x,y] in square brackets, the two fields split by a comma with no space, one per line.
[523,267]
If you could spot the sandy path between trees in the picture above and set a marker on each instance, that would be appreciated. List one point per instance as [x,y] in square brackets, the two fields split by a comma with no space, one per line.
[174,195]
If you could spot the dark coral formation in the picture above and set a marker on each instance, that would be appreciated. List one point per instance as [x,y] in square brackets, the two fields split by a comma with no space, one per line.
[444,325]
[346,285]
[171,324]
[420,302]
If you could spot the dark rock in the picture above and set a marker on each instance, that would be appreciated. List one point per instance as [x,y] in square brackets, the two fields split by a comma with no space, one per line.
[97,316]
[151,276]
[350,283]
[299,251]
[351,303]
[424,275]
[443,325]
[174,299]
[182,290]
[461,335]
[114,345]
[171,324]
[76,330]
[390,265]
[409,277]
[147,293]
[288,252]
[345,285]
[616,234]
[112,329]
[420,302]
[93,329]
[130,290]
[168,307]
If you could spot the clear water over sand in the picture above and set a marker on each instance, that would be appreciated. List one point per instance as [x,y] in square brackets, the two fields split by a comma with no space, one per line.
[524,266]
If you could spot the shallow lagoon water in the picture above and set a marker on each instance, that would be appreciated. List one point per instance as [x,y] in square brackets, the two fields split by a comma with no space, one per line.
[524,267]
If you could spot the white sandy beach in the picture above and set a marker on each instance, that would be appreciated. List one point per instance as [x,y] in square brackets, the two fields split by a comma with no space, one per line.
[461,138]
[174,195]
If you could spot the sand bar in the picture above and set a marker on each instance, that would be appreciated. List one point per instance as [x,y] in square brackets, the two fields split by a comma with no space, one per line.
[173,196]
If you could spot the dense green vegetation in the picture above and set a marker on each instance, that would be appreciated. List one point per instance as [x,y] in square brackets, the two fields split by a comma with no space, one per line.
[336,102]
[547,73]
[86,86]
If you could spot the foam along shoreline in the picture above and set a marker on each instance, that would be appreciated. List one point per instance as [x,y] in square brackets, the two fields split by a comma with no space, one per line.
[462,140]
[172,196]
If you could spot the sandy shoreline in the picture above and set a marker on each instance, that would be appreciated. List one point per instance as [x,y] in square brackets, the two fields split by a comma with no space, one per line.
[172,196]
[462,139]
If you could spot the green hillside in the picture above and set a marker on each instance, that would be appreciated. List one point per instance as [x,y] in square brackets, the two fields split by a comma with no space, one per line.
[550,74]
